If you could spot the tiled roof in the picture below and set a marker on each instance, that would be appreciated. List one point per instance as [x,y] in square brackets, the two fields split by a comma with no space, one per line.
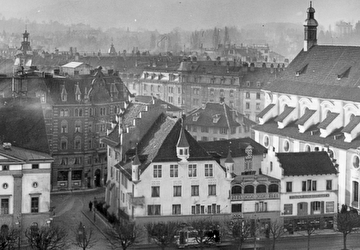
[308,113]
[284,114]
[321,78]
[206,116]
[292,131]
[329,118]
[351,125]
[132,112]
[306,163]
[148,99]
[265,110]
[236,146]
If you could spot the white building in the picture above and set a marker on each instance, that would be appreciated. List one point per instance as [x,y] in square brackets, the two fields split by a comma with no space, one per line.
[75,68]
[24,186]
[314,106]
[168,176]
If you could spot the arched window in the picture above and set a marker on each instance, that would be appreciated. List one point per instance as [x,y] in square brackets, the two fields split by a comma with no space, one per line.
[78,126]
[62,113]
[4,230]
[77,142]
[66,112]
[249,189]
[356,161]
[80,112]
[236,190]
[273,188]
[307,148]
[64,126]
[286,145]
[266,141]
[76,112]
[261,188]
[63,143]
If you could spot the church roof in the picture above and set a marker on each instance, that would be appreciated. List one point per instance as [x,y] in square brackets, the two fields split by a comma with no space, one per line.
[332,72]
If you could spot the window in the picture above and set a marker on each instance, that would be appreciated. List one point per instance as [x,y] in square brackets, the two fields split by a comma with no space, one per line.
[247,105]
[174,170]
[194,129]
[212,189]
[289,186]
[273,188]
[257,106]
[4,206]
[62,113]
[77,143]
[155,191]
[35,166]
[223,131]
[176,209]
[64,161]
[77,126]
[258,96]
[5,167]
[209,170]
[177,191]
[231,93]
[76,175]
[328,184]
[236,190]
[247,95]
[271,166]
[286,145]
[34,204]
[194,190]
[64,144]
[64,126]
[192,170]
[249,189]
[288,208]
[356,161]
[330,207]
[309,185]
[205,129]
[315,206]
[204,138]
[261,206]
[236,208]
[154,209]
[261,188]
[157,171]
[355,191]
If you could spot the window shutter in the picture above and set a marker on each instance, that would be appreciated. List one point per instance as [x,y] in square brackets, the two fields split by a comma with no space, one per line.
[322,207]
[311,207]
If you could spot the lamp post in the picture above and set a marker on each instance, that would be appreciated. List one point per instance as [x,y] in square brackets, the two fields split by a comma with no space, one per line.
[19,233]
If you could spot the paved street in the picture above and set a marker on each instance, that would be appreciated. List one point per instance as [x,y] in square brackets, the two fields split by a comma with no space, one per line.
[71,208]
[68,214]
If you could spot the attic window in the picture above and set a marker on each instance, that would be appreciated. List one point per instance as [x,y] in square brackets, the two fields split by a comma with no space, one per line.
[216,118]
[195,117]
[301,70]
[344,74]
[248,84]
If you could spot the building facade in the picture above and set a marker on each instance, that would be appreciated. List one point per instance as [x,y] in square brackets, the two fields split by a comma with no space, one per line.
[314,107]
[25,177]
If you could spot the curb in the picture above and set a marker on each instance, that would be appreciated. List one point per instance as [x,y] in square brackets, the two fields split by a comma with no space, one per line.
[76,191]
[97,227]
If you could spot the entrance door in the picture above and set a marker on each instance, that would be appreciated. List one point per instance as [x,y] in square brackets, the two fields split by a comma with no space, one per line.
[302,208]
[97,178]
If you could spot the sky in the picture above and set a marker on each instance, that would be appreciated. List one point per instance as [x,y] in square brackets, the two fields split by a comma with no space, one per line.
[165,15]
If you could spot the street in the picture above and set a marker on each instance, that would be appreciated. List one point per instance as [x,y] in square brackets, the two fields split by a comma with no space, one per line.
[68,214]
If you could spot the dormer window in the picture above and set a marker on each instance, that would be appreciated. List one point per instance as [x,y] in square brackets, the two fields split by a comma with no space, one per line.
[302,70]
[344,73]
[195,117]
[216,118]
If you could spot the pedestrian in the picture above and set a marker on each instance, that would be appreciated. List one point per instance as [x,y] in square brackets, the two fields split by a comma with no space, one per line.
[90,205]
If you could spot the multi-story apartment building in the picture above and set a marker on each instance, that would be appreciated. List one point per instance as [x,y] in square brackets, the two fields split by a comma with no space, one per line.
[314,106]
[217,121]
[193,83]
[77,111]
[168,176]
[24,187]
[309,187]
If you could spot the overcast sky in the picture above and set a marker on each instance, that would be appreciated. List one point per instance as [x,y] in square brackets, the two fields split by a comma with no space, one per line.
[164,15]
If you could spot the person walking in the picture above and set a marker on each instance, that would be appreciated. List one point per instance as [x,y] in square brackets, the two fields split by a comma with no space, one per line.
[90,205]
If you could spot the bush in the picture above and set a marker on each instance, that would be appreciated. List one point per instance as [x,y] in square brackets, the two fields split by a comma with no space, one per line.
[112,218]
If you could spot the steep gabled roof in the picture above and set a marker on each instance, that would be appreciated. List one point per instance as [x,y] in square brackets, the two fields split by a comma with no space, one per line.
[306,163]
[332,72]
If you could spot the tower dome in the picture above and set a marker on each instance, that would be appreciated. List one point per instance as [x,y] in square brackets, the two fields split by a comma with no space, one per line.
[310,29]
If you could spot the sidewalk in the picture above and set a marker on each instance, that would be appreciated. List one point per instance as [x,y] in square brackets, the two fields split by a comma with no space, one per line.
[98,221]
[75,191]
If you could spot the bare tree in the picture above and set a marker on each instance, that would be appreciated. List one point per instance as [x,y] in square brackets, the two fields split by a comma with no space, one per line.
[84,237]
[124,234]
[8,237]
[310,230]
[347,222]
[203,227]
[47,237]
[162,233]
[276,230]
[240,230]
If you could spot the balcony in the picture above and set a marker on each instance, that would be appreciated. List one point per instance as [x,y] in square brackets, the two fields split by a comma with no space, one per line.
[136,201]
[260,196]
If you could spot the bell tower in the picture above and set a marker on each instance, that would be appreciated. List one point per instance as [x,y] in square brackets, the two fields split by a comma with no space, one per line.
[310,29]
